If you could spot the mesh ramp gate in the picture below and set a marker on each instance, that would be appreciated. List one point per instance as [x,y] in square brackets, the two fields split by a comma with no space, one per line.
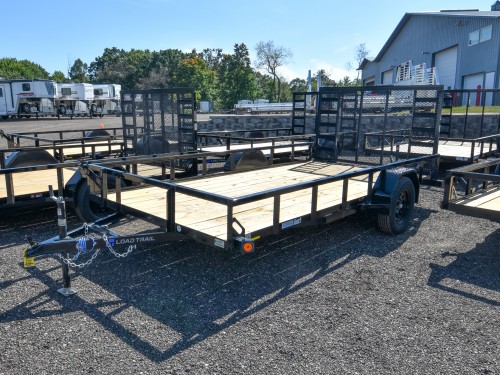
[158,121]
[377,124]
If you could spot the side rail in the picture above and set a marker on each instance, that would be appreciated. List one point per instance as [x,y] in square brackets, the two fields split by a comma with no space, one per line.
[45,138]
[219,137]
[474,190]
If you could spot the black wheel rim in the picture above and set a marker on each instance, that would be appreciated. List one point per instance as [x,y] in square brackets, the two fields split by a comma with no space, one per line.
[402,206]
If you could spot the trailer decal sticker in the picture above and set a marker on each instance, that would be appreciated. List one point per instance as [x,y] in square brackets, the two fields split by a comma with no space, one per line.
[219,243]
[130,240]
[291,223]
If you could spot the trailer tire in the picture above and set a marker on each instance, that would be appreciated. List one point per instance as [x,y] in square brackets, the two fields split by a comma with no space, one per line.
[86,210]
[61,110]
[397,220]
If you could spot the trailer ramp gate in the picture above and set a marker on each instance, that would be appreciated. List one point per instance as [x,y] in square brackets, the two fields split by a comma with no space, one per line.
[377,125]
[159,121]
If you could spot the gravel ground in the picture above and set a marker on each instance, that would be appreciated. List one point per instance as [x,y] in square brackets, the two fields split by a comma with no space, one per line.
[335,299]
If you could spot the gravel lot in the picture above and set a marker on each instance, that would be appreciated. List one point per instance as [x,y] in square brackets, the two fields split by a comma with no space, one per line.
[336,299]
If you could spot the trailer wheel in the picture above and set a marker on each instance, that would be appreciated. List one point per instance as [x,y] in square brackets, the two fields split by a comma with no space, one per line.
[85,209]
[401,208]
[61,110]
[26,108]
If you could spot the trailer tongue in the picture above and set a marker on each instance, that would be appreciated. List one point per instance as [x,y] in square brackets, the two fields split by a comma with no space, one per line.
[233,209]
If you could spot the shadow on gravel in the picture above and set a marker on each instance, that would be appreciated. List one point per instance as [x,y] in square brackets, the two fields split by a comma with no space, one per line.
[477,268]
[162,300]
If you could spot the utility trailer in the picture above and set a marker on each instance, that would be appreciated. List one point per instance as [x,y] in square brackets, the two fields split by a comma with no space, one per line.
[461,150]
[481,196]
[33,161]
[233,209]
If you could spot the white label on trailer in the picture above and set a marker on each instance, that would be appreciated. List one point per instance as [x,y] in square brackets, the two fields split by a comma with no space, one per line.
[291,223]
[219,243]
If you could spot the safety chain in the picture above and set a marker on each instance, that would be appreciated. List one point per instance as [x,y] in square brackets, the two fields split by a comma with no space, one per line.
[81,246]
[116,254]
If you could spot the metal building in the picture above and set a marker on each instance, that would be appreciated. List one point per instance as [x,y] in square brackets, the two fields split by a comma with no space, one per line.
[463,45]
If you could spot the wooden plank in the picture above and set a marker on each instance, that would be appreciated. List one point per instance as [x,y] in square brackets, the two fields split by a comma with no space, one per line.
[34,182]
[489,199]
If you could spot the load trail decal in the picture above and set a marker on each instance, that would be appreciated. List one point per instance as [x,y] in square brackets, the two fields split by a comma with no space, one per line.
[130,240]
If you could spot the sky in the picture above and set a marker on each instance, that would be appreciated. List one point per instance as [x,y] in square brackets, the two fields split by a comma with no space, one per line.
[321,34]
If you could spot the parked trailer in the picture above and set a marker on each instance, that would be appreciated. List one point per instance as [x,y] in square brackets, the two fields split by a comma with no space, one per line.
[106,99]
[33,161]
[26,98]
[232,210]
[75,99]
[481,195]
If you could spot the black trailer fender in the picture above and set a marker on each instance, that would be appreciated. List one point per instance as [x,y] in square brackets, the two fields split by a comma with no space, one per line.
[395,193]
[23,158]
[77,194]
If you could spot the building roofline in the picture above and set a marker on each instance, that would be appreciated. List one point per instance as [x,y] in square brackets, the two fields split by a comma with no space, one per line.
[445,13]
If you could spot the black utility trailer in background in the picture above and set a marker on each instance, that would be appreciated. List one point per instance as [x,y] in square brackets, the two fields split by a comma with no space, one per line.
[481,196]
[189,196]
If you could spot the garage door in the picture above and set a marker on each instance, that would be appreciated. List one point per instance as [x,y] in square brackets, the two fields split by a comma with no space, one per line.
[446,64]
[387,77]
[471,82]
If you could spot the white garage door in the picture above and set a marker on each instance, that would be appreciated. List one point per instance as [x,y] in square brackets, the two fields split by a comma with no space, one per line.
[446,64]
[387,77]
[471,82]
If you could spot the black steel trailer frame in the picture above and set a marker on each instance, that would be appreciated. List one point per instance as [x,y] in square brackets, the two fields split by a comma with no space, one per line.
[480,196]
[390,187]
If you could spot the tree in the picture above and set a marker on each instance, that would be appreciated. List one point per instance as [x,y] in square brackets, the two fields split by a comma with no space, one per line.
[126,68]
[58,76]
[298,85]
[78,71]
[236,77]
[270,58]
[360,54]
[11,68]
[194,72]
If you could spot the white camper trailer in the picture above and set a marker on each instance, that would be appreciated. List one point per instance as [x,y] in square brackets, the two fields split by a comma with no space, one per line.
[106,99]
[75,99]
[27,98]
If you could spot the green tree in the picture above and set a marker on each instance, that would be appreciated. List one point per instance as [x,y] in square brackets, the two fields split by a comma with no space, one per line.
[58,76]
[11,68]
[236,77]
[78,71]
[265,86]
[298,85]
[270,58]
[162,69]
[127,68]
[195,73]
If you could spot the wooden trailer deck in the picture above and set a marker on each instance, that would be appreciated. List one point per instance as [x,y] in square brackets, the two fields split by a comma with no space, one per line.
[455,150]
[282,147]
[482,191]
[33,182]
[211,218]
[487,200]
